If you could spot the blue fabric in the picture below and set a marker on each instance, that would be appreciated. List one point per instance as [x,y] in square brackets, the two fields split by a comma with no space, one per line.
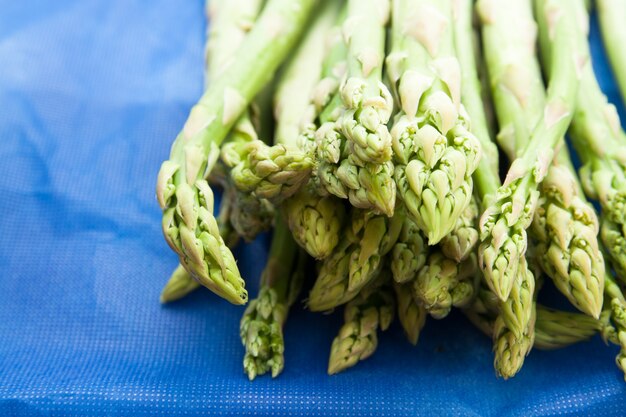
[92,93]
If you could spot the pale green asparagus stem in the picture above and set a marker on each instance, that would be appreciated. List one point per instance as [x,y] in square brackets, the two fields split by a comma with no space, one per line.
[510,344]
[598,139]
[229,23]
[435,154]
[443,283]
[486,176]
[182,190]
[611,15]
[411,313]
[373,309]
[277,172]
[510,211]
[261,327]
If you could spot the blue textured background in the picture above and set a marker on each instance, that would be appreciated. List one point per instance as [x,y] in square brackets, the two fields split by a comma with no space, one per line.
[92,93]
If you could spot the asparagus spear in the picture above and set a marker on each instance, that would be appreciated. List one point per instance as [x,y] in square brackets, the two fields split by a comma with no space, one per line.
[357,260]
[229,24]
[379,236]
[556,329]
[566,229]
[564,224]
[182,190]
[611,15]
[598,139]
[277,172]
[356,146]
[261,327]
[434,152]
[510,210]
[331,286]
[409,253]
[411,313]
[357,340]
[512,318]
[442,283]
[316,220]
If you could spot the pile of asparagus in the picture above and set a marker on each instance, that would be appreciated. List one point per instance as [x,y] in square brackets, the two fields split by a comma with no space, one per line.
[371,134]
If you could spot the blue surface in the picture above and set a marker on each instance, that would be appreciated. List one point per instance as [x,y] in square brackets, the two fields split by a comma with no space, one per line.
[91,95]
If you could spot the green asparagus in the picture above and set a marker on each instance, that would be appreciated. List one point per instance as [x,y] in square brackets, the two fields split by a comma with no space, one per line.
[357,340]
[434,152]
[182,190]
[262,324]
[510,211]
[411,313]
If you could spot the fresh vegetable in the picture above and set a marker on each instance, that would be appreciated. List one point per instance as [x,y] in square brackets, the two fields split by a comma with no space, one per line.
[388,118]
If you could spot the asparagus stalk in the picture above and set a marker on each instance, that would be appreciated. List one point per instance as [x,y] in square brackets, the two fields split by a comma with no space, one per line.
[512,316]
[356,146]
[566,229]
[486,176]
[367,100]
[182,190]
[442,283]
[331,286]
[261,327]
[379,236]
[357,339]
[229,24]
[277,172]
[510,210]
[409,253]
[611,15]
[556,329]
[411,313]
[434,152]
[357,260]
[564,224]
[316,220]
[598,139]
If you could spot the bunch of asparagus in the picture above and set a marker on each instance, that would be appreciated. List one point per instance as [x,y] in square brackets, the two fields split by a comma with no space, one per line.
[368,133]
